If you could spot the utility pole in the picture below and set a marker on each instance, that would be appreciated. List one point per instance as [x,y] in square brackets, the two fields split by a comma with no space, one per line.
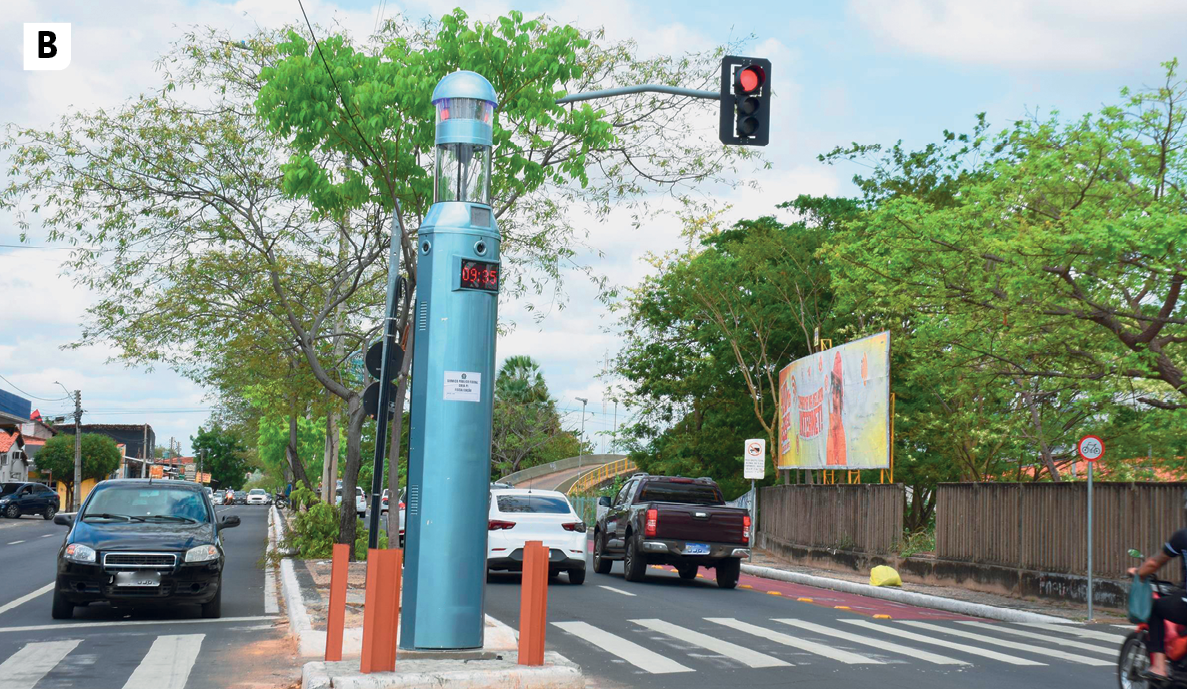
[77,451]
[581,440]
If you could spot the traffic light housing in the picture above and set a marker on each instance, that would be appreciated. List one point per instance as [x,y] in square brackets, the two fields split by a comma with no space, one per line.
[745,101]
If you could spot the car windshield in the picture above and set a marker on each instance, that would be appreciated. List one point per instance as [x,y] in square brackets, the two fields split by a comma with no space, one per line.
[146,503]
[256,491]
[9,488]
[539,504]
[688,493]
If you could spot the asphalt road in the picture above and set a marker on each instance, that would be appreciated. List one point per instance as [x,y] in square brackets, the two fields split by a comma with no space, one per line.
[161,648]
[669,633]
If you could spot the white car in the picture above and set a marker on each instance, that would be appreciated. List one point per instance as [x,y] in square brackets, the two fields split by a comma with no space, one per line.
[257,496]
[360,500]
[519,515]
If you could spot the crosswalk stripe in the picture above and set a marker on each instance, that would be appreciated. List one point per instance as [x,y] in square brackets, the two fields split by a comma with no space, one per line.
[629,651]
[168,663]
[1079,631]
[1029,648]
[876,643]
[899,632]
[741,654]
[1027,634]
[802,644]
[27,666]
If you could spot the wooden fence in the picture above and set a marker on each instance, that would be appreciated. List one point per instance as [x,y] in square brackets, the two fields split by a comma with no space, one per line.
[864,518]
[1043,526]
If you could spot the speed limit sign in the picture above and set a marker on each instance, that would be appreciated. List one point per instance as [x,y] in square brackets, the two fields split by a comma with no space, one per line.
[1091,448]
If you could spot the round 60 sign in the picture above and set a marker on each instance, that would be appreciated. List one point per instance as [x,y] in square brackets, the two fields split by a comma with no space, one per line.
[1091,448]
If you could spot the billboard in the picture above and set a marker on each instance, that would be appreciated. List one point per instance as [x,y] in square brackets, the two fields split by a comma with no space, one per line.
[834,408]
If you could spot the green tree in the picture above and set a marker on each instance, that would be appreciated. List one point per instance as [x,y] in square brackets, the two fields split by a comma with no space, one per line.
[225,458]
[526,428]
[100,458]
[1039,269]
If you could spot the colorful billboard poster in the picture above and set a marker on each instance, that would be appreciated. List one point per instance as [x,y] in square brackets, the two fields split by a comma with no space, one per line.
[834,408]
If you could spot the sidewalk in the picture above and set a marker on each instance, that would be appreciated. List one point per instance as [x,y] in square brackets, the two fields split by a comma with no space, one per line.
[951,598]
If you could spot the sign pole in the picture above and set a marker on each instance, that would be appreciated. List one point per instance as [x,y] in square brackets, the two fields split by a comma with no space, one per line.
[1090,541]
[753,523]
[1090,448]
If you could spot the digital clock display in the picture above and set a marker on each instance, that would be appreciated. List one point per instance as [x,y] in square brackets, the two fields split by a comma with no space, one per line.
[480,275]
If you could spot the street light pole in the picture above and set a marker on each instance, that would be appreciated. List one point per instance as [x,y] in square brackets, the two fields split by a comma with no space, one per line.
[581,440]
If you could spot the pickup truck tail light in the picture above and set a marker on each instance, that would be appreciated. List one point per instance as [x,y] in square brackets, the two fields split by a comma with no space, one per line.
[650,528]
[401,504]
[499,525]
[746,528]
[574,526]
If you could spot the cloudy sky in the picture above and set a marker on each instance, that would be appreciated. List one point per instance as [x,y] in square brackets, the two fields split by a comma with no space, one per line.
[870,71]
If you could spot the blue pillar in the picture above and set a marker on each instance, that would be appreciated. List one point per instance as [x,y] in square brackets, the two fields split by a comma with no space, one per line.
[453,379]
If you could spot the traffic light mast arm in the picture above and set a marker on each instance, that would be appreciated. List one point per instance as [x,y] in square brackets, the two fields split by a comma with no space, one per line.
[642,88]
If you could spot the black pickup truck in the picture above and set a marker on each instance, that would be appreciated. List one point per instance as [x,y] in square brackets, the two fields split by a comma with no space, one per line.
[671,520]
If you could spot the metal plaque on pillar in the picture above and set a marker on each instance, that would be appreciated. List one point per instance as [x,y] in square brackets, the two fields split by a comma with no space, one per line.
[453,376]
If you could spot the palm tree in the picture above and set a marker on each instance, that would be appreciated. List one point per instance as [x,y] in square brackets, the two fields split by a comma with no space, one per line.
[520,380]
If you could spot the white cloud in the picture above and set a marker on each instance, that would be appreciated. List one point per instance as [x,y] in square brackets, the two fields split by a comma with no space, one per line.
[1076,34]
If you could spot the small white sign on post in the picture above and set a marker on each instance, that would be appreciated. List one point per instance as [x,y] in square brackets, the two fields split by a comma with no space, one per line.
[755,464]
[463,386]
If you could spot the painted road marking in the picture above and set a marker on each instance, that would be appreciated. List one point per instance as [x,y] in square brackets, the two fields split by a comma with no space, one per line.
[133,623]
[15,542]
[1027,634]
[26,598]
[876,643]
[168,663]
[611,588]
[1080,631]
[629,651]
[972,650]
[732,651]
[802,644]
[1029,648]
[27,666]
[47,535]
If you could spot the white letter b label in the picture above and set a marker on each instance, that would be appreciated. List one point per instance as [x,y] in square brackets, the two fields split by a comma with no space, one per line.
[47,46]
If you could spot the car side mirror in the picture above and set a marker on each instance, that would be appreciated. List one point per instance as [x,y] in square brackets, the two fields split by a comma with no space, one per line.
[229,522]
[603,501]
[64,519]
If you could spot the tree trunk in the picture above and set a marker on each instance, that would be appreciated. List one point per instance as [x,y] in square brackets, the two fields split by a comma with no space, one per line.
[347,518]
[294,457]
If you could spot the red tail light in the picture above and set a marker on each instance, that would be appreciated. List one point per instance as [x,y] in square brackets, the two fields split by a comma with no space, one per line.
[497,525]
[574,526]
[401,505]
[652,523]
[746,528]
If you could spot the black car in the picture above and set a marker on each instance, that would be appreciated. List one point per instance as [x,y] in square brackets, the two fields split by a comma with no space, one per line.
[142,541]
[27,498]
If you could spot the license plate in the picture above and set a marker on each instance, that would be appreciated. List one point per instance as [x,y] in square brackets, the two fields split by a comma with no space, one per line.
[145,578]
[696,548]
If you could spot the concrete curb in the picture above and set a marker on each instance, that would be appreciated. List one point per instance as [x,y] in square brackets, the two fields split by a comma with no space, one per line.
[556,674]
[922,600]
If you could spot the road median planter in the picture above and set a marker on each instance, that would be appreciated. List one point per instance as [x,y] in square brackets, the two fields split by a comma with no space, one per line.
[500,672]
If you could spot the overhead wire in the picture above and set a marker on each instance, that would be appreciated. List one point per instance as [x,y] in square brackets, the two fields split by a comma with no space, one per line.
[29,394]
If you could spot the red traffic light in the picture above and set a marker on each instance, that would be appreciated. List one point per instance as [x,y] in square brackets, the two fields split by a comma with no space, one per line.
[751,78]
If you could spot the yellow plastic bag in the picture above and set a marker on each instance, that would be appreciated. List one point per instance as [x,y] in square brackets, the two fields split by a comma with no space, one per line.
[884,576]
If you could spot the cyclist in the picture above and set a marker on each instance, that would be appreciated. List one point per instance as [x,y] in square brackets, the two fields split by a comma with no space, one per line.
[1172,608]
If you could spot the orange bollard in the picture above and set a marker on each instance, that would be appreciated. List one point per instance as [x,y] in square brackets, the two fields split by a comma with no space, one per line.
[336,615]
[533,603]
[381,610]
